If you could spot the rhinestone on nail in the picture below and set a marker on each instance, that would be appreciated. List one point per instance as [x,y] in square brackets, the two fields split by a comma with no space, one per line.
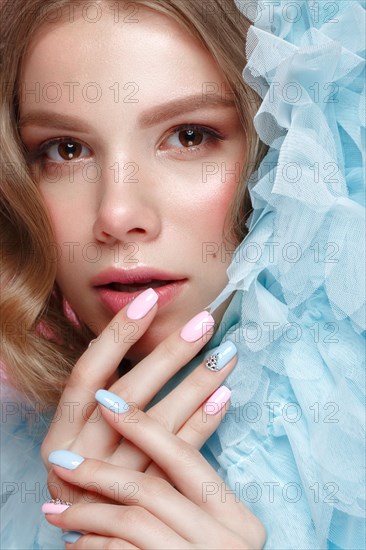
[60,501]
[211,362]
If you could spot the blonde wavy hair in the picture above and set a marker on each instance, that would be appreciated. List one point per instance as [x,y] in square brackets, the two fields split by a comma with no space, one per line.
[41,342]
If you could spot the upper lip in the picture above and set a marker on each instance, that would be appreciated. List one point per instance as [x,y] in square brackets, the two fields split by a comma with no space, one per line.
[131,276]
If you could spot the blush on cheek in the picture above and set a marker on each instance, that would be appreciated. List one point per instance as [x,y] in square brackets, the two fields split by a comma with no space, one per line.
[218,204]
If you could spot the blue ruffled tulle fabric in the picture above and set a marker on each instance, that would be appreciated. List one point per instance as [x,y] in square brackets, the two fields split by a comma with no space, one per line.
[293,446]
[292,443]
[23,477]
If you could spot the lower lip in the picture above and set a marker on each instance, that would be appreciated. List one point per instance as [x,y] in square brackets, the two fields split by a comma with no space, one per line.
[115,300]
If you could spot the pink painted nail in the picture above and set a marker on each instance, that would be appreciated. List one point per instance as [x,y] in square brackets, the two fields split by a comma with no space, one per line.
[197,327]
[217,401]
[55,506]
[142,304]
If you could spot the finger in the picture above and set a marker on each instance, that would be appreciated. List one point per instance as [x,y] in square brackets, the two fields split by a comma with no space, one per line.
[93,370]
[165,360]
[189,472]
[96,542]
[61,490]
[197,429]
[153,495]
[133,524]
[155,370]
[194,389]
[164,448]
[205,421]
[189,394]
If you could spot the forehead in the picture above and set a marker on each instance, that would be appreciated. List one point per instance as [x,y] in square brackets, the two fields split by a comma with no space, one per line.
[153,51]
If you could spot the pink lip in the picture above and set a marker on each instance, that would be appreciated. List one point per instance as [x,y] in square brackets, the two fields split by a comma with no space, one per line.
[135,275]
[116,300]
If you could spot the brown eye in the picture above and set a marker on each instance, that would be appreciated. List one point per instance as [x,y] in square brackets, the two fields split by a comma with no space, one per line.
[69,150]
[190,138]
[59,150]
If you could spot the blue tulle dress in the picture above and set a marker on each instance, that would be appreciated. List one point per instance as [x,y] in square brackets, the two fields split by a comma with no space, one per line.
[292,443]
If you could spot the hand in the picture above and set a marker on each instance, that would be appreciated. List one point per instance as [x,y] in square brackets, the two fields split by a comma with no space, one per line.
[159,515]
[95,369]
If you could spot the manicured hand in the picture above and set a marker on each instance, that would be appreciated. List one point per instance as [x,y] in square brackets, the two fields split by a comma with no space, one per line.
[196,511]
[87,432]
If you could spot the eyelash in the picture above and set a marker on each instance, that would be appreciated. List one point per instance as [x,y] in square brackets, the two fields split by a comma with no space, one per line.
[40,152]
[214,136]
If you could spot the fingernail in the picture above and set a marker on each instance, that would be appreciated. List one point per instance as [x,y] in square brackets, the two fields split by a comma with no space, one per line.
[111,401]
[71,536]
[142,304]
[217,401]
[55,506]
[197,327]
[221,356]
[66,459]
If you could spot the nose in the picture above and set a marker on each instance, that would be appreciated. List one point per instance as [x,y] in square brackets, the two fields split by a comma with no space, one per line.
[126,213]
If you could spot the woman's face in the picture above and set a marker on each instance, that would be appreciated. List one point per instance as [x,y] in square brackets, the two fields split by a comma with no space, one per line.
[138,150]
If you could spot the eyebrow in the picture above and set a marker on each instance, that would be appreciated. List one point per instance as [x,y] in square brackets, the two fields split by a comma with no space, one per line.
[153,116]
[53,120]
[174,108]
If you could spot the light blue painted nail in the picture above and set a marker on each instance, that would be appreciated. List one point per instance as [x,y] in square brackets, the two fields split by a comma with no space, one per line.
[221,356]
[66,459]
[71,536]
[111,401]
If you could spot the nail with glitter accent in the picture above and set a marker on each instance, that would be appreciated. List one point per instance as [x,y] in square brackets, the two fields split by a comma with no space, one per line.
[142,304]
[71,536]
[111,401]
[221,356]
[217,401]
[197,327]
[65,459]
[55,506]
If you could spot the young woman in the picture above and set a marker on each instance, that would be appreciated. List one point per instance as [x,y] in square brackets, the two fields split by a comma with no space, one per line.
[129,141]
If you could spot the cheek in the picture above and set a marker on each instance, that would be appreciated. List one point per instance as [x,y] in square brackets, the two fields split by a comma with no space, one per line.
[66,224]
[69,239]
[216,243]
[54,212]
[203,236]
[215,203]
